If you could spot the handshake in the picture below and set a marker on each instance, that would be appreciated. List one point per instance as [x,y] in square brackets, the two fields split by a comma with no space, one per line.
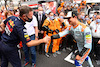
[46,39]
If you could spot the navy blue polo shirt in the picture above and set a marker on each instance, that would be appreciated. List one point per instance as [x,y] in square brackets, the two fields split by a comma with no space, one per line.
[15,31]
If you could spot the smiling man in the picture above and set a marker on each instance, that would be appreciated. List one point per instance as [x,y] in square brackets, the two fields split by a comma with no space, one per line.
[82,35]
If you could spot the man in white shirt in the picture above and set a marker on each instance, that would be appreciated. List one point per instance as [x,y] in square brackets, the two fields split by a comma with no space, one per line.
[32,30]
[95,28]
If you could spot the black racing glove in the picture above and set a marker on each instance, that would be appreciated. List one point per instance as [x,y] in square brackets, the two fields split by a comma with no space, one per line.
[45,28]
[55,36]
[51,31]
[63,24]
[57,31]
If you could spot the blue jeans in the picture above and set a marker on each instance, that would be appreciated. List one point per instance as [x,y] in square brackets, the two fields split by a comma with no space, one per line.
[32,49]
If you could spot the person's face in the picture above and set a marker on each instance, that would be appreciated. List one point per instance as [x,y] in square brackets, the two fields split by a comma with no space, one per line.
[28,17]
[30,14]
[72,21]
[95,13]
[9,14]
[12,12]
[82,14]
[51,3]
[61,15]
[51,14]
[79,16]
[98,17]
[56,15]
[65,2]
[40,10]
[86,17]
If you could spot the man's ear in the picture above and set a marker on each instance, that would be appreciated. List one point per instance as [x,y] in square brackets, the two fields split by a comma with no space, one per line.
[75,17]
[24,15]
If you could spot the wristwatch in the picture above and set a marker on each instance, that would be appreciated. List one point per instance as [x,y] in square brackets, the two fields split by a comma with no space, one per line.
[36,37]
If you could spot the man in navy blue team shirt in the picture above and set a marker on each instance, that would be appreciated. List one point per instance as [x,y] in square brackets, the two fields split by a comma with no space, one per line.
[14,33]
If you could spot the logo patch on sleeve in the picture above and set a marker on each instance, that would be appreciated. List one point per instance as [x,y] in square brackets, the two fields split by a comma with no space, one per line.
[88,36]
[87,33]
[26,35]
[88,41]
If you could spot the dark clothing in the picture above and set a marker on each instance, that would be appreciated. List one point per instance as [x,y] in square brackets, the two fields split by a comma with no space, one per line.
[96,48]
[40,23]
[0,40]
[14,33]
[41,46]
[0,35]
[9,54]
[68,42]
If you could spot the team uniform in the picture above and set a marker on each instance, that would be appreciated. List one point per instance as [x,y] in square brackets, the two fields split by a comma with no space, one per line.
[60,26]
[14,33]
[50,31]
[82,35]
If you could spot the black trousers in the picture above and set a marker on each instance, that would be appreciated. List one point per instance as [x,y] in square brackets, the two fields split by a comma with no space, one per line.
[41,46]
[68,42]
[96,48]
[0,54]
[9,54]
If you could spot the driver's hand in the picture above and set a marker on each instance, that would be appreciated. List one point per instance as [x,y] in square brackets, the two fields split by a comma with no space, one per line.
[78,57]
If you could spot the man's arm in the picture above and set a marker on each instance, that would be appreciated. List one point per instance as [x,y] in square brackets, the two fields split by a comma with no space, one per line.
[24,37]
[61,34]
[35,25]
[1,29]
[2,25]
[37,42]
[36,32]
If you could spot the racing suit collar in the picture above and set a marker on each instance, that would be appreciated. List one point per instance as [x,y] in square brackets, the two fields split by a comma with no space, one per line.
[76,25]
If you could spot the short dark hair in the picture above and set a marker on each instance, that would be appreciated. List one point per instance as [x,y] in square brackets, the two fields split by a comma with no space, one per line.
[31,9]
[95,12]
[86,15]
[24,10]
[50,13]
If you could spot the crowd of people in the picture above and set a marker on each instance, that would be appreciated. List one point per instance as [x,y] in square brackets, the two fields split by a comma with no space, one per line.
[53,32]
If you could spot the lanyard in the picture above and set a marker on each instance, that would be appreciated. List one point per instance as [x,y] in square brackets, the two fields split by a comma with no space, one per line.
[96,27]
